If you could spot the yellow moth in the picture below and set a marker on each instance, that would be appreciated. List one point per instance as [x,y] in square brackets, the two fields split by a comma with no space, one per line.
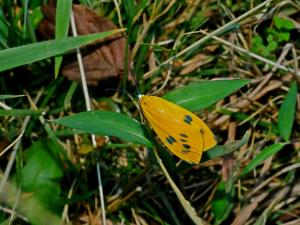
[183,133]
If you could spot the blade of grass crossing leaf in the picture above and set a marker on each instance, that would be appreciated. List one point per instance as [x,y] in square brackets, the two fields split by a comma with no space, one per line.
[287,113]
[62,21]
[262,156]
[185,204]
[20,112]
[18,56]
[200,95]
[2,97]
[107,123]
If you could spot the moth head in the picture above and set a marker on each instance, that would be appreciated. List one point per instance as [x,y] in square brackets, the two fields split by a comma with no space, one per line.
[143,99]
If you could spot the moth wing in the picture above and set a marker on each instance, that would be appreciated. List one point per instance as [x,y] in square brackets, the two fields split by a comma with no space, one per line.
[179,145]
[184,134]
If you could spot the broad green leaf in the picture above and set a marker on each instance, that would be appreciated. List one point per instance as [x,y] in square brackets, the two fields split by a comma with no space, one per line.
[31,206]
[200,95]
[62,21]
[222,203]
[22,55]
[41,168]
[19,112]
[262,156]
[287,113]
[107,123]
[41,176]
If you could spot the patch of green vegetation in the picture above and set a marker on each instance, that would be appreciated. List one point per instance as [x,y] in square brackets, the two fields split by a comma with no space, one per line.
[267,43]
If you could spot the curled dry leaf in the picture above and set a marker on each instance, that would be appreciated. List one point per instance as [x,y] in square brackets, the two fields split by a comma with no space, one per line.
[101,59]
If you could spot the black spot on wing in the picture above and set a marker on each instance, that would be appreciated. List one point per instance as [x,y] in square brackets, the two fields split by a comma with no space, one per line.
[185,151]
[186,146]
[170,139]
[183,135]
[184,138]
[188,119]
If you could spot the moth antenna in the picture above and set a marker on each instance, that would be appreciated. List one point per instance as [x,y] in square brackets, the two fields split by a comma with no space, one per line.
[136,84]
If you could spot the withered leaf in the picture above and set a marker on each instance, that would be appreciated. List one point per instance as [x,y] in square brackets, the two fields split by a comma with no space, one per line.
[101,59]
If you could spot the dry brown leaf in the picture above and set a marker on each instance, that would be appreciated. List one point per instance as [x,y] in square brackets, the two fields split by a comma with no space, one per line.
[194,64]
[227,167]
[246,212]
[90,217]
[102,59]
[211,48]
[267,165]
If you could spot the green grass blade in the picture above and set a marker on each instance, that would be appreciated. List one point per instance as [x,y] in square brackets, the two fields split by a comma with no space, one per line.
[130,10]
[62,21]
[2,97]
[107,123]
[200,95]
[20,112]
[191,212]
[221,150]
[262,156]
[287,113]
[13,57]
